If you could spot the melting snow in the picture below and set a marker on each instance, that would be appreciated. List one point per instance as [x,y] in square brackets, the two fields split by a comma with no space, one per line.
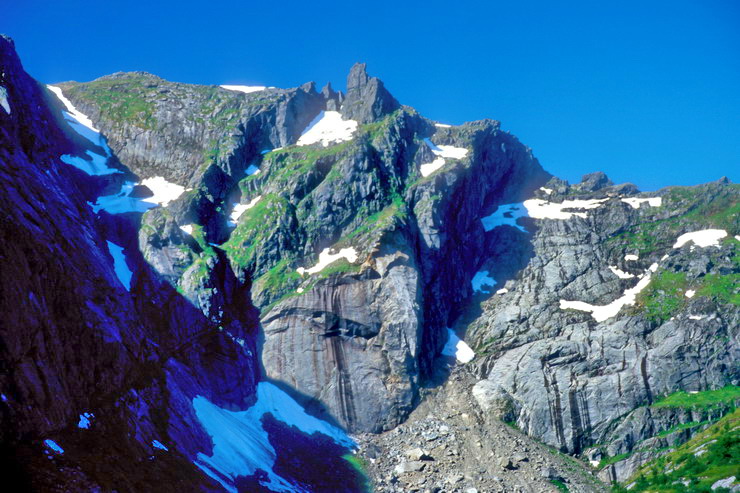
[188,228]
[84,422]
[456,347]
[636,202]
[630,256]
[507,214]
[239,209]
[603,312]
[620,273]
[241,445]
[96,165]
[328,127]
[482,279]
[690,293]
[447,151]
[427,169]
[159,445]
[244,89]
[4,99]
[548,191]
[53,446]
[702,239]
[119,265]
[164,191]
[326,258]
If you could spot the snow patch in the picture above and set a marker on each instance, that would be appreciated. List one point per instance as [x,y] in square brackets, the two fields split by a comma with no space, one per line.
[299,290]
[427,169]
[690,293]
[326,258]
[121,202]
[451,152]
[442,125]
[239,209]
[4,99]
[244,89]
[704,238]
[188,228]
[119,265]
[79,121]
[84,422]
[159,445]
[457,347]
[604,312]
[507,214]
[502,291]
[696,317]
[163,190]
[54,446]
[548,191]
[4,397]
[620,273]
[251,170]
[630,256]
[95,165]
[635,202]
[328,127]
[482,279]
[241,445]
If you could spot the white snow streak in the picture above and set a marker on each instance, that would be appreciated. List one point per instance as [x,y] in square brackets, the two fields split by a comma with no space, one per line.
[326,258]
[239,209]
[502,291]
[620,273]
[427,169]
[696,317]
[4,99]
[630,256]
[690,293]
[702,239]
[457,347]
[53,446]
[188,228]
[548,191]
[328,127]
[507,214]
[442,152]
[244,89]
[159,445]
[442,125]
[119,265]
[635,202]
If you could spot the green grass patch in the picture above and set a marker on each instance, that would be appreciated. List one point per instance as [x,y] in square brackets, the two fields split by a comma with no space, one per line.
[723,288]
[705,399]
[664,296]
[560,485]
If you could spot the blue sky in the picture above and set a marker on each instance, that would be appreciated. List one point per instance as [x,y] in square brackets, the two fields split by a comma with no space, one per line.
[648,92]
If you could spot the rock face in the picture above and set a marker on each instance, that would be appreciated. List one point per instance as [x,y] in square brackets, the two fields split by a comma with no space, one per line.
[325,276]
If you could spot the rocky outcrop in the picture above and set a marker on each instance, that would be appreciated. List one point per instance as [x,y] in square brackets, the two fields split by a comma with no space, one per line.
[367,99]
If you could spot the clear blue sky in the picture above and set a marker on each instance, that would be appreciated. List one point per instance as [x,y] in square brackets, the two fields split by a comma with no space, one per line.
[648,92]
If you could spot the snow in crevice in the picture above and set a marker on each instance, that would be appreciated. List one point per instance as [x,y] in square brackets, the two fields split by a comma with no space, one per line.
[620,273]
[482,282]
[696,317]
[327,128]
[94,164]
[635,202]
[123,273]
[239,209]
[84,422]
[4,99]
[702,239]
[604,312]
[163,190]
[121,202]
[631,257]
[441,152]
[326,258]
[53,446]
[159,445]
[457,348]
[187,228]
[507,214]
[244,89]
[548,191]
[240,443]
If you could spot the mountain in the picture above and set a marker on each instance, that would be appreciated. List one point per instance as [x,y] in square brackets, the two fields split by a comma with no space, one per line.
[242,288]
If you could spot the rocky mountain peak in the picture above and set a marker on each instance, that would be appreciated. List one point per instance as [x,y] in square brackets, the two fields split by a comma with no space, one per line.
[367,98]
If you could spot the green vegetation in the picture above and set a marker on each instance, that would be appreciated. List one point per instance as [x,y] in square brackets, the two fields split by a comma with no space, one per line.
[664,296]
[122,100]
[705,399]
[295,160]
[681,427]
[340,266]
[722,288]
[695,466]
[256,227]
[360,467]
[560,485]
[380,220]
[606,460]
[279,279]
